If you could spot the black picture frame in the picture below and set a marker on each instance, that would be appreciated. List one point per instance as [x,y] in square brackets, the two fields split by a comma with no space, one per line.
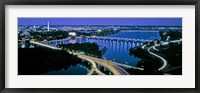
[3,3]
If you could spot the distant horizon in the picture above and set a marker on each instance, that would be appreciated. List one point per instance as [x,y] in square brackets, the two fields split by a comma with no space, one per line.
[102,21]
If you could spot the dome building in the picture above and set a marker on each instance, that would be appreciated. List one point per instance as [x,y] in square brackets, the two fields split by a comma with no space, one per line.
[72,34]
[99,30]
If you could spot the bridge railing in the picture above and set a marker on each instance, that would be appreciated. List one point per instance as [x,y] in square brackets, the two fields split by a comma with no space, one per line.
[125,39]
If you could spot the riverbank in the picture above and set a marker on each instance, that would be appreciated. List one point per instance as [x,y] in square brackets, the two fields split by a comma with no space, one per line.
[40,60]
[159,60]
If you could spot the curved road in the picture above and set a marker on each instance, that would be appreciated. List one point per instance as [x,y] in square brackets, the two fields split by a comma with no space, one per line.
[116,70]
[164,61]
[94,68]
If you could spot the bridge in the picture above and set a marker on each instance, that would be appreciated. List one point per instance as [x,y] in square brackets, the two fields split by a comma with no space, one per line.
[102,38]
[119,39]
[94,38]
[65,39]
[44,45]
[59,40]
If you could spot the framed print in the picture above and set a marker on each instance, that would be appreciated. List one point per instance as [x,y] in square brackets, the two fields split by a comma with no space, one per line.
[95,46]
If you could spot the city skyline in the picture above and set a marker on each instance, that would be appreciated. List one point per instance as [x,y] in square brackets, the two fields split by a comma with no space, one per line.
[102,21]
[100,46]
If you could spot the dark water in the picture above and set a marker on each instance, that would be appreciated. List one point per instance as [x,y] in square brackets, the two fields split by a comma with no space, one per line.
[72,70]
[116,51]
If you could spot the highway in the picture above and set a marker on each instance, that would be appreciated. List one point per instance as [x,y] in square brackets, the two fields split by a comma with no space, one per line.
[144,46]
[174,41]
[93,68]
[163,60]
[116,70]
[128,66]
[154,47]
[63,39]
[41,44]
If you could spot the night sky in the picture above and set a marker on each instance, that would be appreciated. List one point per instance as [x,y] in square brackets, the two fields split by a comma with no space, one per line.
[100,21]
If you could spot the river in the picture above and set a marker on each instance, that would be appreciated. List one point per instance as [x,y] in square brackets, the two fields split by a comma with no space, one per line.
[118,51]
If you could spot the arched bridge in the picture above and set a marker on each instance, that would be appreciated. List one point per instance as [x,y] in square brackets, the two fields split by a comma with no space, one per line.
[119,39]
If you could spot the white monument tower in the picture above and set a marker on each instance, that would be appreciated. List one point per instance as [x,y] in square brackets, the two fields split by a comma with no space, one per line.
[48,26]
[34,27]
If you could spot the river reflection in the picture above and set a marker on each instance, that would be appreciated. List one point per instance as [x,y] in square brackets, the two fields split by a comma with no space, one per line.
[117,51]
[72,70]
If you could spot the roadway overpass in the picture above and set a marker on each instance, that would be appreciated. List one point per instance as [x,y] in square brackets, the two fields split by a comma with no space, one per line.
[116,70]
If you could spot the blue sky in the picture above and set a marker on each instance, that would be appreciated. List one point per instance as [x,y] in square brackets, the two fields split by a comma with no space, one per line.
[100,21]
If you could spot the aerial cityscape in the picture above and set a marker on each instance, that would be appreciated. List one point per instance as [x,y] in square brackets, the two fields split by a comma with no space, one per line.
[99,46]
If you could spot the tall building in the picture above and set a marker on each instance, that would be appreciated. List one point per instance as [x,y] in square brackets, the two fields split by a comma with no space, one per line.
[48,26]
[34,27]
